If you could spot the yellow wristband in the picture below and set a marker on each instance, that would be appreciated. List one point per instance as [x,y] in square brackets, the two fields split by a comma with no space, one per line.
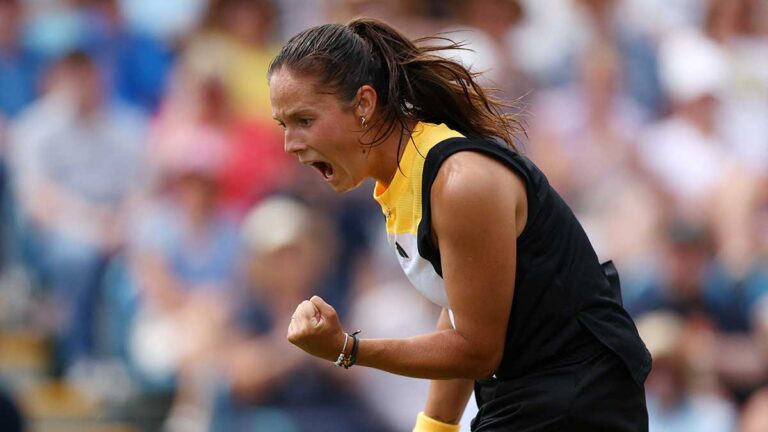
[425,423]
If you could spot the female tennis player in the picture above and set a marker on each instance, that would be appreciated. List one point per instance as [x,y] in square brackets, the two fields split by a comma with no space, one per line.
[531,320]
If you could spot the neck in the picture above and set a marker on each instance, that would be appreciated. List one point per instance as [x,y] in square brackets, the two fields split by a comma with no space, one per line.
[385,156]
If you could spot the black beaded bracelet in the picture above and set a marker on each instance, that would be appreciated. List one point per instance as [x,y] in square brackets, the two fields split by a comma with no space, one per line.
[355,346]
[348,361]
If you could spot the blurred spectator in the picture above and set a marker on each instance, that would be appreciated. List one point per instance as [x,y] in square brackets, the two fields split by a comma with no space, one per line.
[544,39]
[695,164]
[690,280]
[582,133]
[548,43]
[141,53]
[253,162]
[76,160]
[132,55]
[57,27]
[680,398]
[166,21]
[264,383]
[235,45]
[256,165]
[734,25]
[185,250]
[692,283]
[485,27]
[136,57]
[412,17]
[194,114]
[19,66]
[684,153]
[637,60]
[655,18]
[297,15]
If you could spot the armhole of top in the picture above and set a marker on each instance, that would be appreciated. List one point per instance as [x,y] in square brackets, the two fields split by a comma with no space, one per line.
[452,318]
[434,160]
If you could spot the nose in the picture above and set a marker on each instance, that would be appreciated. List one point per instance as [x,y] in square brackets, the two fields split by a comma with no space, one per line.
[292,145]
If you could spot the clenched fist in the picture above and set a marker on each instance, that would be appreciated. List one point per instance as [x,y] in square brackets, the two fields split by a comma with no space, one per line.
[316,329]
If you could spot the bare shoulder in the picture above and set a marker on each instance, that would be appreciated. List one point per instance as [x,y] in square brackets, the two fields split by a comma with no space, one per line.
[474,177]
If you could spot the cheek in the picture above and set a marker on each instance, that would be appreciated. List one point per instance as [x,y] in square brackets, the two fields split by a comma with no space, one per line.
[336,139]
[324,132]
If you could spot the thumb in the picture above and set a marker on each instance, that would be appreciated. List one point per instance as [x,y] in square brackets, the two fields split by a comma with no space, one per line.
[323,309]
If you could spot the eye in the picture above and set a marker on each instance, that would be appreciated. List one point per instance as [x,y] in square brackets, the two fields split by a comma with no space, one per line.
[305,122]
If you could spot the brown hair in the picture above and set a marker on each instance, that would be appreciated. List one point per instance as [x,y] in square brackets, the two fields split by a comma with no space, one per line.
[412,81]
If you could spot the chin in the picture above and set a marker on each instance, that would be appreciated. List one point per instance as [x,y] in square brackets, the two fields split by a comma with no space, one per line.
[345,186]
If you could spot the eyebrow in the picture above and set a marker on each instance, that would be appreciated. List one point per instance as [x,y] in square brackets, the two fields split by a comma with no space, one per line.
[294,112]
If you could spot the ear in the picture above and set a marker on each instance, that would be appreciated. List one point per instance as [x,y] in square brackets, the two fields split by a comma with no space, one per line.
[367,98]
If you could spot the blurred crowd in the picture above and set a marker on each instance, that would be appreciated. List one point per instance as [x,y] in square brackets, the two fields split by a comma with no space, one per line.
[156,235]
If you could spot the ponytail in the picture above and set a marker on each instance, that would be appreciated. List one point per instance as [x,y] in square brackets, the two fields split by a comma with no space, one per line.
[412,81]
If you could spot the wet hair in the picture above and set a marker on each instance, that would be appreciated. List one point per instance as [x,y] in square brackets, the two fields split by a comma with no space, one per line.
[412,80]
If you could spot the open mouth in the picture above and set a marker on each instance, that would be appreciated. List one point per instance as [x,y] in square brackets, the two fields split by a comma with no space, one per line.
[325,169]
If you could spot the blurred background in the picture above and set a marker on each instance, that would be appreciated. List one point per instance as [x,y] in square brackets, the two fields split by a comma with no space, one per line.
[155,238]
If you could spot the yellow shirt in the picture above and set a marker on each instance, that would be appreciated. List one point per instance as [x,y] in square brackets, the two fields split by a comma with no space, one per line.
[401,204]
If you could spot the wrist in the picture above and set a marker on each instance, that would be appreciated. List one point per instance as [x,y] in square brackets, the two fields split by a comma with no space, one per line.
[348,355]
[424,423]
[344,346]
[441,417]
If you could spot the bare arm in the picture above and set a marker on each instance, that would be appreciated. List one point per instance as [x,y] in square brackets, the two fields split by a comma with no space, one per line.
[157,282]
[470,195]
[447,399]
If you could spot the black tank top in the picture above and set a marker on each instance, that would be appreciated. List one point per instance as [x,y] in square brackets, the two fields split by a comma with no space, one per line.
[565,301]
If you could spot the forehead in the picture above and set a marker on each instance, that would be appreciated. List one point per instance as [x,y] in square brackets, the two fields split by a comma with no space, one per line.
[290,92]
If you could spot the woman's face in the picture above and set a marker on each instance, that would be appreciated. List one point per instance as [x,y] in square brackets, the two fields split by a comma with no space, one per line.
[319,130]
